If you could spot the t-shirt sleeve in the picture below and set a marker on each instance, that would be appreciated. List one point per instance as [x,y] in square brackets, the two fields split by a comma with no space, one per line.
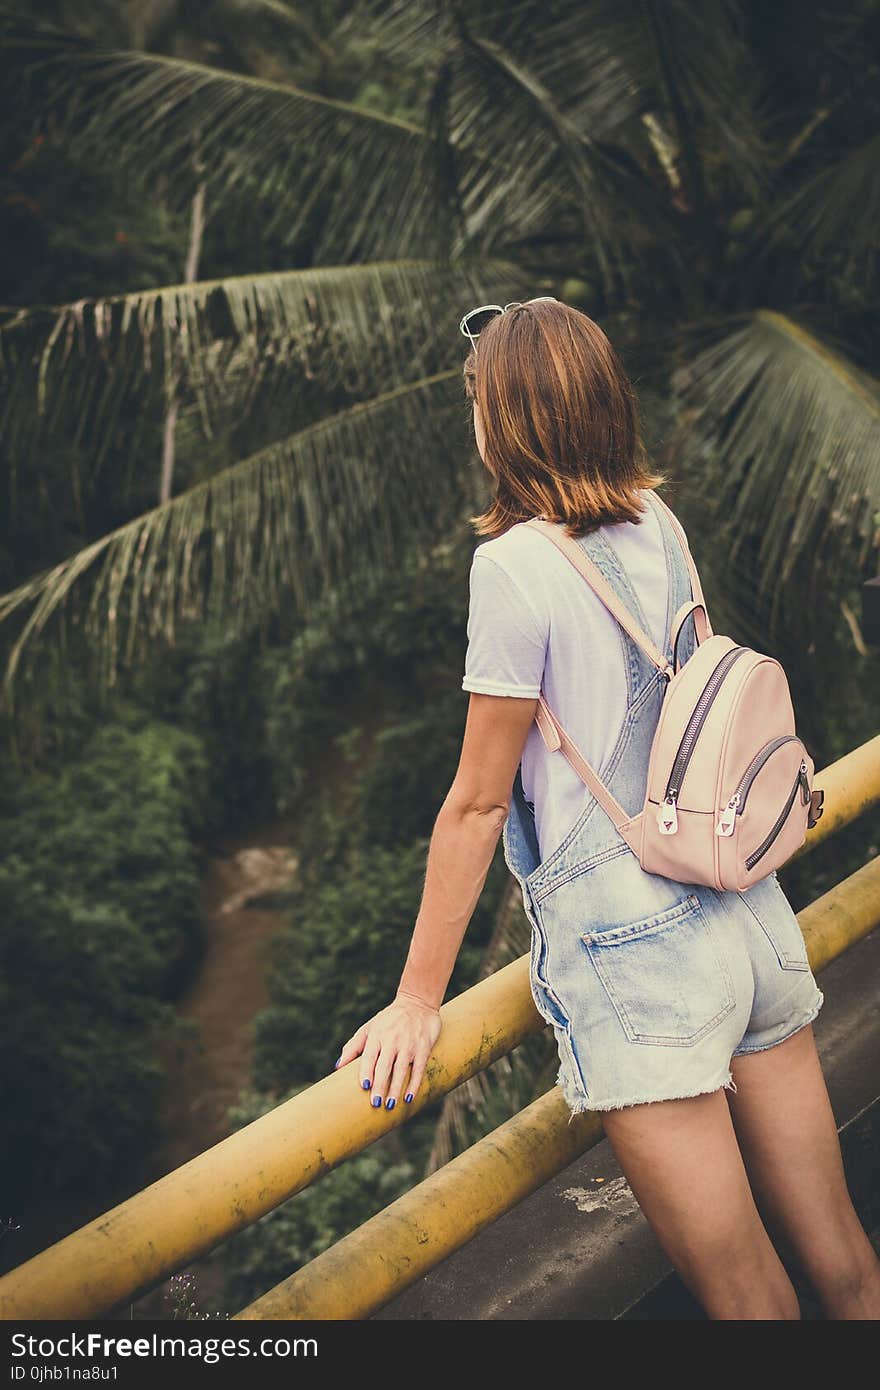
[506,643]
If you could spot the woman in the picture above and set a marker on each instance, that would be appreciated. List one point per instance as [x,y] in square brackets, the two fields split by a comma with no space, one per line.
[683,1014]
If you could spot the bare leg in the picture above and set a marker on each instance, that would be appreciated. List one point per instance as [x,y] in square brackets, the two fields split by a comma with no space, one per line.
[682,1161]
[788,1138]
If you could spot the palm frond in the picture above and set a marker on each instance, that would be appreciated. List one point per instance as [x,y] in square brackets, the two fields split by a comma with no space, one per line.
[358,181]
[782,437]
[412,32]
[528,133]
[359,325]
[696,56]
[837,212]
[590,121]
[288,16]
[321,509]
[524,163]
[609,64]
[564,48]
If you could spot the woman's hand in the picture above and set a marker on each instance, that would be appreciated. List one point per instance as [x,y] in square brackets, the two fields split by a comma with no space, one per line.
[400,1036]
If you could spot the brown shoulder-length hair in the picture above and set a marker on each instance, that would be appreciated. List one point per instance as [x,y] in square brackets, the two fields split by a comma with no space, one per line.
[561,421]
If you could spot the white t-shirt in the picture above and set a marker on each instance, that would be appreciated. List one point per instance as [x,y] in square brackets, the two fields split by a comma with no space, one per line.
[535,623]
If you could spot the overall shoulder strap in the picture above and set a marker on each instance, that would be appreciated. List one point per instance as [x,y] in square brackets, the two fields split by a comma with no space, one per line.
[682,540]
[602,589]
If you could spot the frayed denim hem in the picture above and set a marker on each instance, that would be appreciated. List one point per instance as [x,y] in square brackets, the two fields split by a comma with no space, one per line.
[577,1102]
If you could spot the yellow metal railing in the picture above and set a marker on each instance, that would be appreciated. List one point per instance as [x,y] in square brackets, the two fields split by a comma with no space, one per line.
[191,1210]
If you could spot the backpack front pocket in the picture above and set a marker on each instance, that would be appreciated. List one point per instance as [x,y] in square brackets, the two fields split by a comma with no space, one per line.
[665,976]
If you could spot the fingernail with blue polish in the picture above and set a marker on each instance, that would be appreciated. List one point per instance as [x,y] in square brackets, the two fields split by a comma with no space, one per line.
[408,1097]
[366,1084]
[336,1063]
[377,1101]
[390,1103]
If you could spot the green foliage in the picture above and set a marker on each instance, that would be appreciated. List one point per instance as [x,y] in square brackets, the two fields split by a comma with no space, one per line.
[116,827]
[212,686]
[98,925]
[78,988]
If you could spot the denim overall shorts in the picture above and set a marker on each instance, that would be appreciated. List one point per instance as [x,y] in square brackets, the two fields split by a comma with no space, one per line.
[650,985]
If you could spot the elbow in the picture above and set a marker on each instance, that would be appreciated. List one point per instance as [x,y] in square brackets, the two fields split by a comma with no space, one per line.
[493,817]
[483,813]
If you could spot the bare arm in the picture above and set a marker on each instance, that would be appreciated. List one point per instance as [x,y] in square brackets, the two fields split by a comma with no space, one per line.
[462,846]
[464,840]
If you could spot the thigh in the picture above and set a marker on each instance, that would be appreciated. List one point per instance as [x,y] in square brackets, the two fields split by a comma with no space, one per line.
[683,1163]
[788,1137]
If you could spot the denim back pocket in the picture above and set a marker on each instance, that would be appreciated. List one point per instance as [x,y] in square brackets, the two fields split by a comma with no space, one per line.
[665,975]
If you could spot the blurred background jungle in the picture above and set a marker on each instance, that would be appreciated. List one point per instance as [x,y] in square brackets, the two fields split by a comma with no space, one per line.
[237,470]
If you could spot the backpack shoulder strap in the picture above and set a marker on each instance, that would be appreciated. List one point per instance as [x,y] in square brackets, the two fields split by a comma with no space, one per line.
[552,732]
[555,737]
[602,589]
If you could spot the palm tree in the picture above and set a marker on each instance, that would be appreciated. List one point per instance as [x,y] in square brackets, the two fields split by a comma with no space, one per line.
[699,175]
[634,153]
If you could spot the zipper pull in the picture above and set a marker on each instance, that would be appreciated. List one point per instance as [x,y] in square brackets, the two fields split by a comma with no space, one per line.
[667,816]
[803,777]
[727,819]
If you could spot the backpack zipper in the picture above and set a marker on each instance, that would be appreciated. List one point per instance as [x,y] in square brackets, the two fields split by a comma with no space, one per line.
[667,816]
[737,803]
[801,781]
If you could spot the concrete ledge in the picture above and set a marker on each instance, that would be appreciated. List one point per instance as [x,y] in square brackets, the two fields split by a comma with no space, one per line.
[579,1248]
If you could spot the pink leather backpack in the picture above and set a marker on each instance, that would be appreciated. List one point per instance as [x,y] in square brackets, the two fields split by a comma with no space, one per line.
[730,785]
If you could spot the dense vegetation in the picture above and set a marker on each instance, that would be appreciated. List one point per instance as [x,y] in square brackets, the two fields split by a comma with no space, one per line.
[237,474]
[98,889]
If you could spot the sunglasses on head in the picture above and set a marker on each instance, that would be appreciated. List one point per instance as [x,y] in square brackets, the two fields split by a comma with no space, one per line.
[475,320]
